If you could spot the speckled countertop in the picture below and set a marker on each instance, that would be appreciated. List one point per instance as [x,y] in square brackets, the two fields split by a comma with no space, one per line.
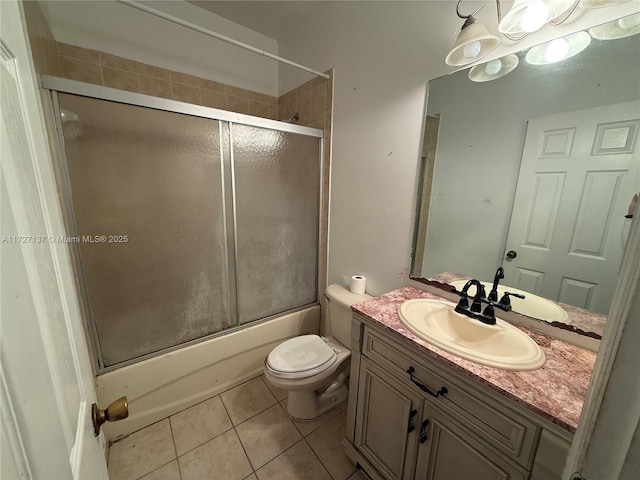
[555,391]
[579,318]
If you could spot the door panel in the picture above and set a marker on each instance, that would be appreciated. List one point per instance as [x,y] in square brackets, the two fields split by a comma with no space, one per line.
[578,173]
[47,382]
[451,454]
[385,410]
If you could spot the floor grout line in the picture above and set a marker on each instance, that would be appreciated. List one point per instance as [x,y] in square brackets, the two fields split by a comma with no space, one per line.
[319,459]
[175,449]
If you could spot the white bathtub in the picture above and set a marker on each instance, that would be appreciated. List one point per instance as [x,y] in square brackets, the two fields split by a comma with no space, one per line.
[164,385]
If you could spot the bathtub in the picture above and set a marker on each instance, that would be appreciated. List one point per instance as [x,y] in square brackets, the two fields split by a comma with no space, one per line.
[163,385]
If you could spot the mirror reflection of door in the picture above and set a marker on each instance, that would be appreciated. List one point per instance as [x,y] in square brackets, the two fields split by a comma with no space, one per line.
[578,173]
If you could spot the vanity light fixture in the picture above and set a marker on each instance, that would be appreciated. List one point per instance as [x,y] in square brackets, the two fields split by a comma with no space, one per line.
[558,49]
[527,16]
[494,69]
[620,28]
[473,42]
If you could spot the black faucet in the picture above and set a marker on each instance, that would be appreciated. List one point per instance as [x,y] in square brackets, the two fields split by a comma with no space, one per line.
[475,310]
[493,294]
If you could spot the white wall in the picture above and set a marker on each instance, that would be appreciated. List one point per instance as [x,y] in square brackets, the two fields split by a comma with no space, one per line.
[384,54]
[480,141]
[121,30]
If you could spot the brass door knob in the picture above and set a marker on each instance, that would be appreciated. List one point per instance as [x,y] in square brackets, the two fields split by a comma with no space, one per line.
[117,410]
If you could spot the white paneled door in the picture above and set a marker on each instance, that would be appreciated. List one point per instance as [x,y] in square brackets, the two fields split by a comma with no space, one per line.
[578,174]
[46,385]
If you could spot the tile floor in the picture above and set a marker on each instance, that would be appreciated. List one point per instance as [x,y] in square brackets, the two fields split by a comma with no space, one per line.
[243,433]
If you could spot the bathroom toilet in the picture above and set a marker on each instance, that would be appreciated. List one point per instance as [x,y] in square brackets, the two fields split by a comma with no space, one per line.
[313,369]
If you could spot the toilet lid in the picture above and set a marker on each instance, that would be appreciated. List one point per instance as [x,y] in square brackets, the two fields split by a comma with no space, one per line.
[301,354]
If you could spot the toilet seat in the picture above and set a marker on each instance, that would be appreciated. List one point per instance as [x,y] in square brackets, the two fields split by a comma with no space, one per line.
[301,357]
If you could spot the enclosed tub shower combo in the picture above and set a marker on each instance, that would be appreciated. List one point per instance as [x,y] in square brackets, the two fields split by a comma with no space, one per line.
[195,238]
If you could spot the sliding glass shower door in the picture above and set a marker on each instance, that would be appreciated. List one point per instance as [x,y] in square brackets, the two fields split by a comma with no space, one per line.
[185,225]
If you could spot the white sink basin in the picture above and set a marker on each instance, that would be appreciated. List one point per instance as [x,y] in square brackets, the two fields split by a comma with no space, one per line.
[501,345]
[531,306]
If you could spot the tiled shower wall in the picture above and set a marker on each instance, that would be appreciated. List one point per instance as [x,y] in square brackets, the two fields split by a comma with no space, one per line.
[312,100]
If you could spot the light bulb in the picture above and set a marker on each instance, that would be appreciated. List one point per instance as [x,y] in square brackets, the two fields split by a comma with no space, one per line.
[493,67]
[534,17]
[557,50]
[471,50]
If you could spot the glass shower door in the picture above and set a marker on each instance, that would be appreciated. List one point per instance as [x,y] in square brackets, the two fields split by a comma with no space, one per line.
[148,202]
[276,179]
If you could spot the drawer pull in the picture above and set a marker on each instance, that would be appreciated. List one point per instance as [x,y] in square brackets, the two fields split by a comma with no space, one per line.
[411,427]
[423,431]
[424,388]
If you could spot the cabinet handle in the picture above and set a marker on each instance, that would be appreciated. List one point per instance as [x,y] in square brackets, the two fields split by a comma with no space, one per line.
[424,388]
[411,427]
[423,431]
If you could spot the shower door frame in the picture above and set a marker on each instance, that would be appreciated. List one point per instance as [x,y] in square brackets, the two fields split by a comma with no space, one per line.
[55,85]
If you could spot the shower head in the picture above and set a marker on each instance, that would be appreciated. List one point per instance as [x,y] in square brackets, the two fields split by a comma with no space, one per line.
[294,118]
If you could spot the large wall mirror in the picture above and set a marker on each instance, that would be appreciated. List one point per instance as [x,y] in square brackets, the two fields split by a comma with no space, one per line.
[535,170]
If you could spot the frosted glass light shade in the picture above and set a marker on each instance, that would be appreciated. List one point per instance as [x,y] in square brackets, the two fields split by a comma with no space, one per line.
[623,27]
[600,3]
[473,43]
[497,68]
[528,16]
[558,49]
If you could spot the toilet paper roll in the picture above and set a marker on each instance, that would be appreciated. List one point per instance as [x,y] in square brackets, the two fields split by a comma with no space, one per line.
[358,284]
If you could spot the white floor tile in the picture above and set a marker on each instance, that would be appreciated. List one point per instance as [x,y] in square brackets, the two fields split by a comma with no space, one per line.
[326,442]
[196,425]
[167,472]
[297,463]
[141,452]
[220,458]
[267,435]
[248,399]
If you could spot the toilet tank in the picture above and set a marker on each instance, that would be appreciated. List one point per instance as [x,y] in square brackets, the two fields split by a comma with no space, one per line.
[339,302]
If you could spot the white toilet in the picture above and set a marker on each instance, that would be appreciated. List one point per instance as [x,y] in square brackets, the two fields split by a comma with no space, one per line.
[314,370]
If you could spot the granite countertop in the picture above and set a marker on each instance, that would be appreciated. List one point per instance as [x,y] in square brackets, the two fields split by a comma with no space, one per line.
[581,320]
[555,391]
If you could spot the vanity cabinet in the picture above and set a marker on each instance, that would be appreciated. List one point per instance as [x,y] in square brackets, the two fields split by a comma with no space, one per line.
[412,417]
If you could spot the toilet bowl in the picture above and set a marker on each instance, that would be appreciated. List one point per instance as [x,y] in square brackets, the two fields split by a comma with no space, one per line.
[313,369]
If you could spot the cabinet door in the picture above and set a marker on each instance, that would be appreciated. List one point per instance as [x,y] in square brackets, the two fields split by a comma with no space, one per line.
[450,453]
[387,422]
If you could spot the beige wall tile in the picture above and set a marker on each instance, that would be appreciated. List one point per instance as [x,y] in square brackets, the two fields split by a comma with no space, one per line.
[214,86]
[259,109]
[50,57]
[80,70]
[286,110]
[121,79]
[304,88]
[185,93]
[260,97]
[318,103]
[238,92]
[177,77]
[151,71]
[237,104]
[118,62]
[79,53]
[213,99]
[155,86]
[303,105]
[273,112]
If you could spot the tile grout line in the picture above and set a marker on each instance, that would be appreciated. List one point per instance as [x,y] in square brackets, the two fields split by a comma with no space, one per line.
[319,459]
[155,469]
[238,436]
[175,449]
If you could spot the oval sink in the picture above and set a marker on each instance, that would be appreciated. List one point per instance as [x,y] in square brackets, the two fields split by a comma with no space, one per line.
[501,345]
[531,306]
